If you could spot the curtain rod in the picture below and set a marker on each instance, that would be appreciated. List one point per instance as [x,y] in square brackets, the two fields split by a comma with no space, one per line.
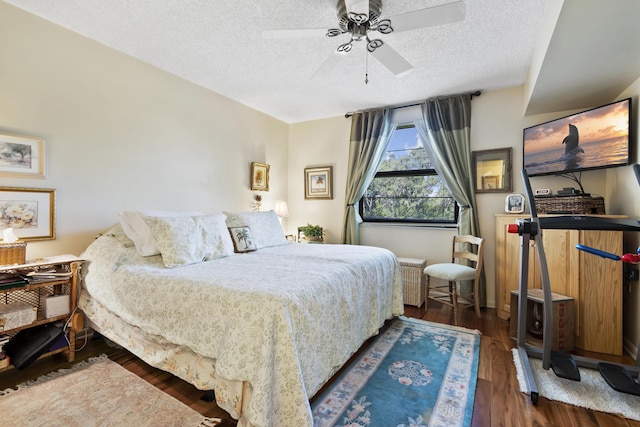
[349,114]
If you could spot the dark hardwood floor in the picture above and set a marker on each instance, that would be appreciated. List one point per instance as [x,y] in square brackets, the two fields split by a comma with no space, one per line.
[498,400]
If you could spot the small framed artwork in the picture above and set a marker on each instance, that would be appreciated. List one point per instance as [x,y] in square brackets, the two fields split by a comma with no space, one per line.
[259,176]
[490,182]
[21,157]
[31,212]
[318,183]
[514,203]
[492,170]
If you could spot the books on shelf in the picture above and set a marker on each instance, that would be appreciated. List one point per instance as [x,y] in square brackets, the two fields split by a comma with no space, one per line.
[15,280]
[10,280]
[47,275]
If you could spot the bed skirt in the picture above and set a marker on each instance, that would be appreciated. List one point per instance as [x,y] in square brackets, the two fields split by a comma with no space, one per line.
[231,395]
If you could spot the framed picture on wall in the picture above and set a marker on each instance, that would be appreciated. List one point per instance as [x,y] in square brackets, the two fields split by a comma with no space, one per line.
[21,156]
[318,183]
[259,176]
[30,212]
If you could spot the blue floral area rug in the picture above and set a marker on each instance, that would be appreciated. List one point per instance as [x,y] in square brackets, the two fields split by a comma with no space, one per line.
[413,374]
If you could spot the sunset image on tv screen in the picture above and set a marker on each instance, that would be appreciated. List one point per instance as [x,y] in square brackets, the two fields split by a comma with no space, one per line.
[591,139]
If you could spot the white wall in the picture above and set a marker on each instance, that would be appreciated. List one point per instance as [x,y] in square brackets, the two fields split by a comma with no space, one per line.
[312,144]
[121,134]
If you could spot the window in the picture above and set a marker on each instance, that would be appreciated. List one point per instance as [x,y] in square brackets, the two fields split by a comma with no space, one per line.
[406,187]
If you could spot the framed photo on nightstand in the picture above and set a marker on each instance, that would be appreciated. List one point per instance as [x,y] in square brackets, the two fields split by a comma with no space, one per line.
[514,203]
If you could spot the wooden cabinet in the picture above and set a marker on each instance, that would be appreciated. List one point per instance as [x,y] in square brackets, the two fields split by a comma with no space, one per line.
[65,282]
[595,283]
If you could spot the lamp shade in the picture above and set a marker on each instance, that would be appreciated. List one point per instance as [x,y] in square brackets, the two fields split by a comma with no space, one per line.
[281,209]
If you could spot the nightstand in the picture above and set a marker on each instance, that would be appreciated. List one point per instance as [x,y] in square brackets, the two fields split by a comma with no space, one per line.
[51,283]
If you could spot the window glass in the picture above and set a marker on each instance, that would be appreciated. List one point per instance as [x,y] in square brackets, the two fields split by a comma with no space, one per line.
[405,152]
[406,188]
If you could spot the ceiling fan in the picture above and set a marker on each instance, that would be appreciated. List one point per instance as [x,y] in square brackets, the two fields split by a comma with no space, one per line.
[361,18]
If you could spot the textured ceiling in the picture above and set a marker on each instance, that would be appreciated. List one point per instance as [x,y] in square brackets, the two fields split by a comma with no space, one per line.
[218,45]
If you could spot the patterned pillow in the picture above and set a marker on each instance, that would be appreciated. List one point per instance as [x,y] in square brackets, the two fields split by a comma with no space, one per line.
[188,240]
[242,240]
[137,230]
[265,227]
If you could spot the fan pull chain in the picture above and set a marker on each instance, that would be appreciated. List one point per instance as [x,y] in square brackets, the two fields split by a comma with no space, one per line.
[366,68]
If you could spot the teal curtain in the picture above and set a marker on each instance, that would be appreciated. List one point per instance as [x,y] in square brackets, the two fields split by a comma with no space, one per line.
[445,133]
[370,133]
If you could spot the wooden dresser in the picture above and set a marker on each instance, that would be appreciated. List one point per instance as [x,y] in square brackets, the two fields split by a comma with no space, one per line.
[595,283]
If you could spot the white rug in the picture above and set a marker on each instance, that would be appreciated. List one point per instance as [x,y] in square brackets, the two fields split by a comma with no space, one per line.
[590,392]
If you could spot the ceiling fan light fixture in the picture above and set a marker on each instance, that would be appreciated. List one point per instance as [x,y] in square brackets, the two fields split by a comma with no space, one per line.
[359,18]
[383,27]
[359,32]
[372,45]
[345,17]
[334,32]
[344,48]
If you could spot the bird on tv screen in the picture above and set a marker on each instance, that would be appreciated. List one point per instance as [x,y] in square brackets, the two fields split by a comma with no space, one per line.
[592,139]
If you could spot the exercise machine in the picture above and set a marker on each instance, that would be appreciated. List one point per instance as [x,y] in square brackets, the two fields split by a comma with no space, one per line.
[621,377]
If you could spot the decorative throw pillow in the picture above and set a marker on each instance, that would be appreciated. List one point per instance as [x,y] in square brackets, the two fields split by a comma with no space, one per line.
[242,240]
[137,230]
[265,227]
[188,240]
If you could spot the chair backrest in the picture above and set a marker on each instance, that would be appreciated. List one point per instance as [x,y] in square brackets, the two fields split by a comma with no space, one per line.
[469,248]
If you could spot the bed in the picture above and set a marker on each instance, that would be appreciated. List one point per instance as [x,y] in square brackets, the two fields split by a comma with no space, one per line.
[263,322]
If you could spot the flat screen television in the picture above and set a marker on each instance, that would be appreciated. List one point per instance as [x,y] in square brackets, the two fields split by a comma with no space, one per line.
[592,139]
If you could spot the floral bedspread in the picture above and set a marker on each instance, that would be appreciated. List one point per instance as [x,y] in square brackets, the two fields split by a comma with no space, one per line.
[281,319]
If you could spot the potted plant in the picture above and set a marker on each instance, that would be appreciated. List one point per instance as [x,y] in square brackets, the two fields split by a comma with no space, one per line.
[312,232]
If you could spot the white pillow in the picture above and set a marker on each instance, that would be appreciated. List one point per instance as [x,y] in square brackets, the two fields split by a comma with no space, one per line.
[137,230]
[188,240]
[265,227]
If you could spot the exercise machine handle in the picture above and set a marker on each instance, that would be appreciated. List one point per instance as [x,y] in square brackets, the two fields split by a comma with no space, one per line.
[598,252]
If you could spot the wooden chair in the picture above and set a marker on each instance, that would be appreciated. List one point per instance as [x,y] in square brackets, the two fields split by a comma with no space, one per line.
[465,265]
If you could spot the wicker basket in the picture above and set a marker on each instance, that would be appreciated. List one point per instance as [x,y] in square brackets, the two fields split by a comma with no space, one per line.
[13,253]
[583,205]
[413,280]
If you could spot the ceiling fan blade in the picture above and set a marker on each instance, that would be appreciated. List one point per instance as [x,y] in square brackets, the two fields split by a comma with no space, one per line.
[357,7]
[430,17]
[330,64]
[392,60]
[294,33]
